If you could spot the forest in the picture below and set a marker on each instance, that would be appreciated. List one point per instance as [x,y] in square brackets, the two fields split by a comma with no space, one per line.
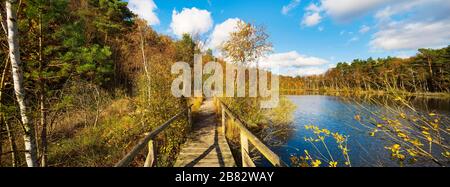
[89,78]
[82,81]
[82,65]
[426,72]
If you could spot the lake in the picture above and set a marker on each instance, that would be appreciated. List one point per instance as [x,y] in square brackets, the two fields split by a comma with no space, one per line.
[337,114]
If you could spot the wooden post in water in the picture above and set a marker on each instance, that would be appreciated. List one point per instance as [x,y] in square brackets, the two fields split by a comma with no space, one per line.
[151,156]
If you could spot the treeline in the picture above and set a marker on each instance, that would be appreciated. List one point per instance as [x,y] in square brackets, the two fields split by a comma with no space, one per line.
[428,71]
[92,75]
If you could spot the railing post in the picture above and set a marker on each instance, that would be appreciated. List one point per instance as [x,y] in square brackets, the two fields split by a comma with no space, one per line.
[189,114]
[246,160]
[224,125]
[151,156]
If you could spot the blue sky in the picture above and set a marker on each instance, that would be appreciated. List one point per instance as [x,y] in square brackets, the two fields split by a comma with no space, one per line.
[311,36]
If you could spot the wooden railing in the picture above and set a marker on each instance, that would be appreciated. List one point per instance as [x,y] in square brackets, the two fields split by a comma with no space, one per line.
[245,137]
[150,160]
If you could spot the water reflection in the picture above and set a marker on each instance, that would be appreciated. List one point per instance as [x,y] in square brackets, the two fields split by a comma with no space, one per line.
[337,114]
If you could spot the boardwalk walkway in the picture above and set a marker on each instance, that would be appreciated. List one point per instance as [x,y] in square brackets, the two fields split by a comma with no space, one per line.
[206,145]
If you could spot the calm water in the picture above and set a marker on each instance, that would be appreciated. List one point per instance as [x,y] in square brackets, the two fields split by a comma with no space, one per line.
[337,115]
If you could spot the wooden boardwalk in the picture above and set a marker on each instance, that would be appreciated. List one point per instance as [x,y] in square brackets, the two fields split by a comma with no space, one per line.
[206,145]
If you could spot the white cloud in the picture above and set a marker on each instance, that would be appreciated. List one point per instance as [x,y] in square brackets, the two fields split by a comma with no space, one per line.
[313,8]
[294,64]
[388,11]
[413,24]
[292,5]
[290,61]
[221,32]
[345,10]
[412,35]
[306,71]
[311,19]
[191,21]
[364,29]
[312,16]
[400,24]
[145,10]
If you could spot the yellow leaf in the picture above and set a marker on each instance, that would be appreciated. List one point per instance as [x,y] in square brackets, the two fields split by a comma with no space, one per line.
[333,164]
[403,115]
[316,163]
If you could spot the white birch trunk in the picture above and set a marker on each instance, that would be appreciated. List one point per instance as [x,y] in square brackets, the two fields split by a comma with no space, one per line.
[29,139]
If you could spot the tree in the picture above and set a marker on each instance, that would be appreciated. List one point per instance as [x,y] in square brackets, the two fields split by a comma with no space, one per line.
[247,44]
[17,74]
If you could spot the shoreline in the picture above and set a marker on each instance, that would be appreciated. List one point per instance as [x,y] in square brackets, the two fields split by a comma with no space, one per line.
[440,95]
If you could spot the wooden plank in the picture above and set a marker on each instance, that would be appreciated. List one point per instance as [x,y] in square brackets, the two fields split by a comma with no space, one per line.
[206,145]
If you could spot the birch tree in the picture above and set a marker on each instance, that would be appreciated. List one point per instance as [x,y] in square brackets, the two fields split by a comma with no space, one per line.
[17,75]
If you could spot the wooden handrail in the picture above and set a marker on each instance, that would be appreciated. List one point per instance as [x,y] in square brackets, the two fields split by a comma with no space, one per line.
[148,139]
[245,137]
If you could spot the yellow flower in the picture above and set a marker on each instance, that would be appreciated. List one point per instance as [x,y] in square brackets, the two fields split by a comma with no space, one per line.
[316,163]
[338,137]
[372,133]
[333,164]
[416,143]
[394,148]
[432,114]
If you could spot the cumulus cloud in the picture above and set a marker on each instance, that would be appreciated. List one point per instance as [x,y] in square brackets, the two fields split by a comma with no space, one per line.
[387,12]
[311,19]
[345,10]
[422,24]
[412,35]
[306,71]
[290,60]
[294,64]
[145,9]
[292,5]
[312,16]
[400,24]
[192,21]
[221,33]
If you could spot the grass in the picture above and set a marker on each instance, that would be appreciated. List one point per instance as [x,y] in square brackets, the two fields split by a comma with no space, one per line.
[102,145]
